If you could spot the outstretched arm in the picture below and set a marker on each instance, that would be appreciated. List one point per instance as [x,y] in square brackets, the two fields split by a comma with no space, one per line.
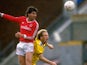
[9,17]
[41,57]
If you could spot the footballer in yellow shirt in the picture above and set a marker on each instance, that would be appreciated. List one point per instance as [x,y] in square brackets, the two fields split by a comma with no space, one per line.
[39,44]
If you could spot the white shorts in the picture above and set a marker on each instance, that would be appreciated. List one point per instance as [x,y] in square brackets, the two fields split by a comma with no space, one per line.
[23,47]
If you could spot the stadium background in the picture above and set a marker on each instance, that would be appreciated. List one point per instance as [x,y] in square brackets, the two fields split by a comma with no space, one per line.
[67,30]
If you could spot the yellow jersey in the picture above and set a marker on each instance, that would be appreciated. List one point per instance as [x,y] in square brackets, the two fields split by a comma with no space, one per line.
[38,49]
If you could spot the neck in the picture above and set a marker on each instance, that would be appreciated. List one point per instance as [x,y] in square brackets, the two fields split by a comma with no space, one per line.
[29,19]
[43,42]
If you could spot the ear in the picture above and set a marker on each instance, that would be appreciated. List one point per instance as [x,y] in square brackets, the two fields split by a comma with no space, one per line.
[41,37]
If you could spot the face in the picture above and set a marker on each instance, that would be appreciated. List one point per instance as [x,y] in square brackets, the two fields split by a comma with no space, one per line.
[45,36]
[32,15]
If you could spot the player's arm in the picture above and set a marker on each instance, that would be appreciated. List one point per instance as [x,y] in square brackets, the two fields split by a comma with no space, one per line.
[42,58]
[19,35]
[50,46]
[9,17]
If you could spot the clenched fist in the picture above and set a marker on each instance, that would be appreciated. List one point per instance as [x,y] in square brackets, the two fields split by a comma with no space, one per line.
[18,35]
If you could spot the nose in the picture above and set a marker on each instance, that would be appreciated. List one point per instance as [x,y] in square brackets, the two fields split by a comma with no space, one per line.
[35,15]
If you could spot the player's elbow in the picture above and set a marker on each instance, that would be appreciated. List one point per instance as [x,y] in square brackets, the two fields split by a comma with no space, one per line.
[41,56]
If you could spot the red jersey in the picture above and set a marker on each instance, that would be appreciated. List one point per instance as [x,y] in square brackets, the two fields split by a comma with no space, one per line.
[28,28]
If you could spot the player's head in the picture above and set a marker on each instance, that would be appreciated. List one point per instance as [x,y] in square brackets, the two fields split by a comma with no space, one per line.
[42,35]
[31,12]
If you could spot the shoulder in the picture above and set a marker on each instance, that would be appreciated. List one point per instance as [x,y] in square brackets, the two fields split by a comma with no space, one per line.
[37,41]
[36,22]
[21,18]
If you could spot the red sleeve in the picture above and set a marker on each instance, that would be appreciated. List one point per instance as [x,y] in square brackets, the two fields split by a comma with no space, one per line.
[12,18]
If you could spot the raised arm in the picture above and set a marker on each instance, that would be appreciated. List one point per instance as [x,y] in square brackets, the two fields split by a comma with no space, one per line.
[10,18]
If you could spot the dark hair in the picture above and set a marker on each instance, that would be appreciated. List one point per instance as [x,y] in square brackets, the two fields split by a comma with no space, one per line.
[30,9]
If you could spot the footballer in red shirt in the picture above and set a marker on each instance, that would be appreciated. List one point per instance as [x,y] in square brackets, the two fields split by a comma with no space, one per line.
[28,29]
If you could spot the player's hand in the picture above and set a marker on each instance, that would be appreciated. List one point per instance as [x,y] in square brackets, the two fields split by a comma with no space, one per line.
[18,35]
[50,46]
[0,14]
[53,63]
